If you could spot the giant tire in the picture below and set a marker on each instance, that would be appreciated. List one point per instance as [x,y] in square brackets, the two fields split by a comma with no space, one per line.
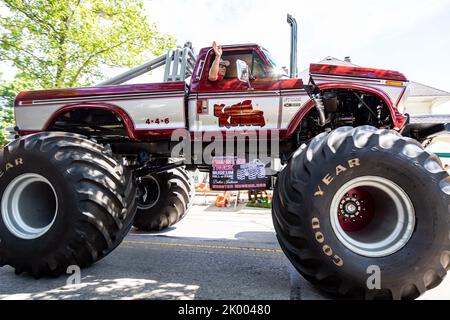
[79,197]
[341,262]
[168,195]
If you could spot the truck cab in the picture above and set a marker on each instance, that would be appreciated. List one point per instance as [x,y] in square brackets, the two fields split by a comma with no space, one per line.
[231,104]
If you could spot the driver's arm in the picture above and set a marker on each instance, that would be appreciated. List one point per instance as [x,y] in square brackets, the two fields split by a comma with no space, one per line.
[214,70]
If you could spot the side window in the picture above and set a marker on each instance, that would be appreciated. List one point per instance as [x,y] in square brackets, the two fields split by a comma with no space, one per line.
[257,67]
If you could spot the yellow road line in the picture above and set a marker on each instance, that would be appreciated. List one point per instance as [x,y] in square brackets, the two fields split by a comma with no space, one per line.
[203,246]
[203,251]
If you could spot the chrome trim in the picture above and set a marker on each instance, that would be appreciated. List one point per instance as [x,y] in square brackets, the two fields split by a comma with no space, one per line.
[110,97]
[433,118]
[199,72]
[240,93]
[294,91]
[382,82]
[347,78]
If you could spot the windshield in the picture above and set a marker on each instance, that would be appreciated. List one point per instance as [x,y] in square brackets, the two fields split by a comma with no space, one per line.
[276,70]
[269,57]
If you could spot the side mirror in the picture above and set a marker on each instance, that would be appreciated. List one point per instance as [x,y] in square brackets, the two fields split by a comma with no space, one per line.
[243,72]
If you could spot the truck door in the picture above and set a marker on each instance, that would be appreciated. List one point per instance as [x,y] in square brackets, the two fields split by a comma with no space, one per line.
[231,105]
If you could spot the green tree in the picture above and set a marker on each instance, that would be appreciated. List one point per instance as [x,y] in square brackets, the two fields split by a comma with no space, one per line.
[9,89]
[67,43]
[8,92]
[6,120]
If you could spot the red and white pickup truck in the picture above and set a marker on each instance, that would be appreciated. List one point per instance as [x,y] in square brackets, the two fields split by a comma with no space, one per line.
[149,112]
[357,188]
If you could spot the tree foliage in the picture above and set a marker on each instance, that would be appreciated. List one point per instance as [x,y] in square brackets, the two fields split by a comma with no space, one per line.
[8,92]
[66,43]
[9,89]
[6,120]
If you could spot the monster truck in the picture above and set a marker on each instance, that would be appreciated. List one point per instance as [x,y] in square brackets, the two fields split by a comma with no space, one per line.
[357,190]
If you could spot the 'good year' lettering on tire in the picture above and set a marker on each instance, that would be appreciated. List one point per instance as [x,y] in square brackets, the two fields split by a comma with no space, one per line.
[329,177]
[320,238]
[10,165]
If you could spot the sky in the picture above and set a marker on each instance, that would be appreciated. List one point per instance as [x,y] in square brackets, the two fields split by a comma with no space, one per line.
[412,37]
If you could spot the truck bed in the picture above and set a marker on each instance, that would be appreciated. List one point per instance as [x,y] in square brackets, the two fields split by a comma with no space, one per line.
[40,96]
[148,111]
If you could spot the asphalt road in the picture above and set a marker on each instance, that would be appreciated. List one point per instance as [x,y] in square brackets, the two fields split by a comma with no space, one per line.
[211,254]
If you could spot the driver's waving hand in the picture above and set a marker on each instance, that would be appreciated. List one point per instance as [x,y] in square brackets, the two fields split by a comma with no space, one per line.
[219,67]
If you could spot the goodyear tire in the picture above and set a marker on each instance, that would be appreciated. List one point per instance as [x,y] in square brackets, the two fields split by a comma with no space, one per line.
[163,200]
[364,213]
[64,201]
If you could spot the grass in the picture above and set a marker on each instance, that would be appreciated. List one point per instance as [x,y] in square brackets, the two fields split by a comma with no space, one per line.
[259,204]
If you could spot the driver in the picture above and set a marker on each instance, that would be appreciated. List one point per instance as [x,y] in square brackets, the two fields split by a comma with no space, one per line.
[219,67]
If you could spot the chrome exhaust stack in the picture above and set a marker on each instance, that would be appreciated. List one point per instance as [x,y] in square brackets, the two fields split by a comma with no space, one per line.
[293,70]
[320,109]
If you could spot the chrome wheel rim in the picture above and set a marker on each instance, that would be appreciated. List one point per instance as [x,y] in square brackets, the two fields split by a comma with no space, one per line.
[29,206]
[392,222]
[149,192]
